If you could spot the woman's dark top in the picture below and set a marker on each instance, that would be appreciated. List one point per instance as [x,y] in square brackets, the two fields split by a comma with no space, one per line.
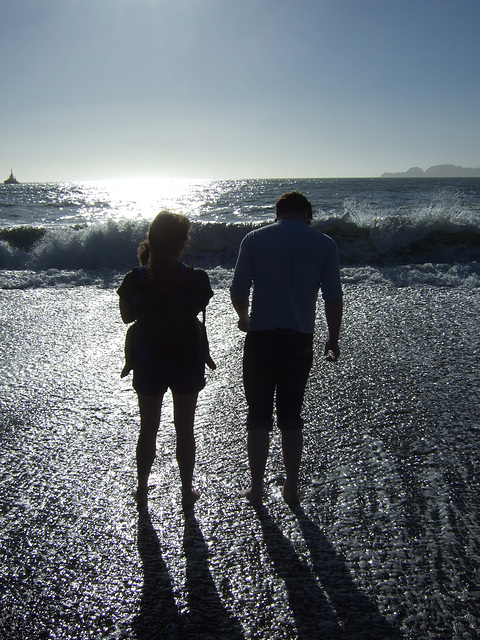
[166,320]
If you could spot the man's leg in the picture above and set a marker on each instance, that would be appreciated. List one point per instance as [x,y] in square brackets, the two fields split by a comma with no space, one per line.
[292,444]
[259,383]
[293,376]
[257,449]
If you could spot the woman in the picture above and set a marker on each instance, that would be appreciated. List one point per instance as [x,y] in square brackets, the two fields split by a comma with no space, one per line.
[163,298]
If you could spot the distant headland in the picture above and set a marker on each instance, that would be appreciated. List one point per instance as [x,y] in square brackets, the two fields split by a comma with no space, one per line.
[437,171]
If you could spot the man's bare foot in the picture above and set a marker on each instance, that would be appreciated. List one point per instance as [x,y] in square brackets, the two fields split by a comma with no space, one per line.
[255,500]
[190,498]
[290,496]
[140,496]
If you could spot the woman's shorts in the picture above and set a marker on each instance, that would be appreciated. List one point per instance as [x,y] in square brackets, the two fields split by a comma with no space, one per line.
[152,376]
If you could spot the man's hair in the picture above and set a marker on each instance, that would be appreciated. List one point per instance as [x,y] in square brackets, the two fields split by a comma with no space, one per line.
[293,205]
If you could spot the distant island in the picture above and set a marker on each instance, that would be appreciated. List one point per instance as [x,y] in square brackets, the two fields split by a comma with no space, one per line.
[437,171]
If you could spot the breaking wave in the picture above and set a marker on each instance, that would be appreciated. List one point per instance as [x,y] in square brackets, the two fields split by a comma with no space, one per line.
[112,244]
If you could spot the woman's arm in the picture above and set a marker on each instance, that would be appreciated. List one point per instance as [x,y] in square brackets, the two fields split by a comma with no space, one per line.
[203,290]
[126,311]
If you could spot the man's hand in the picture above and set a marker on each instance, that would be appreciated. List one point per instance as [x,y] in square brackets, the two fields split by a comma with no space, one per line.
[333,314]
[332,351]
[241,307]
[243,324]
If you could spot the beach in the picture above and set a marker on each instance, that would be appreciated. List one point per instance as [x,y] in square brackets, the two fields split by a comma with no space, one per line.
[384,544]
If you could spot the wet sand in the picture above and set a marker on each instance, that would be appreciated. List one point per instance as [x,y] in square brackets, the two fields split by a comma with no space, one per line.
[384,545]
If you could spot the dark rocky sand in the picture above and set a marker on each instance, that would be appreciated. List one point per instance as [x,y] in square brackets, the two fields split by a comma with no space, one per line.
[384,545]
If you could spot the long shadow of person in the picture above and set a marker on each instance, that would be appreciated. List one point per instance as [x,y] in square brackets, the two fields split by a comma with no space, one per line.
[314,617]
[158,618]
[208,617]
[358,616]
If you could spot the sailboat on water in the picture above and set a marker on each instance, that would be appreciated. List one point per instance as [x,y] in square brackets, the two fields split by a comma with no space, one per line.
[11,179]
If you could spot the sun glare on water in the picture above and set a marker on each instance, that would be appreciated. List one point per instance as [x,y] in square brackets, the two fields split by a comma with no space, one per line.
[145,197]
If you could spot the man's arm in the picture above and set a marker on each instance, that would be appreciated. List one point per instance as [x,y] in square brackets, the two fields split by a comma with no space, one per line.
[333,315]
[242,282]
[241,307]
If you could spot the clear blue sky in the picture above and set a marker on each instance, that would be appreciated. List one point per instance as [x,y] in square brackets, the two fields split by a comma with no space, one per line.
[95,89]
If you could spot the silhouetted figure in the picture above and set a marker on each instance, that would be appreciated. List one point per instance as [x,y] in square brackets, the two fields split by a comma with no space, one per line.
[163,297]
[287,263]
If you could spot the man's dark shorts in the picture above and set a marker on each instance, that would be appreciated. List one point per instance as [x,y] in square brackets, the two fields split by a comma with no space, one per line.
[153,376]
[278,360]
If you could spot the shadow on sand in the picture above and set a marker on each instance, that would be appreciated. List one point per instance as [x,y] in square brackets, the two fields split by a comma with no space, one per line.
[324,600]
[159,617]
[208,617]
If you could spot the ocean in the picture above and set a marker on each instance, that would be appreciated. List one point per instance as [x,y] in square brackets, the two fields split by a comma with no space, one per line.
[386,541]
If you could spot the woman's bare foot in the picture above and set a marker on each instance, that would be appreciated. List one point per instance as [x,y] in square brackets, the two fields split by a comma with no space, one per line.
[254,499]
[290,496]
[190,498]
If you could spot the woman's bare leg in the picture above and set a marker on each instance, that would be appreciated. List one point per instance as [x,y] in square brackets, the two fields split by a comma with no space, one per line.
[184,415]
[150,413]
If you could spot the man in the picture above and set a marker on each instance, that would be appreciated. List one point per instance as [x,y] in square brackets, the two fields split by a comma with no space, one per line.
[287,263]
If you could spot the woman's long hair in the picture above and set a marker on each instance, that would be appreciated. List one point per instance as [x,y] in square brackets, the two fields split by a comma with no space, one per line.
[167,235]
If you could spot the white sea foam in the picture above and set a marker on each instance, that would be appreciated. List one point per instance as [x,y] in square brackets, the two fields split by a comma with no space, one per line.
[374,222]
[112,245]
